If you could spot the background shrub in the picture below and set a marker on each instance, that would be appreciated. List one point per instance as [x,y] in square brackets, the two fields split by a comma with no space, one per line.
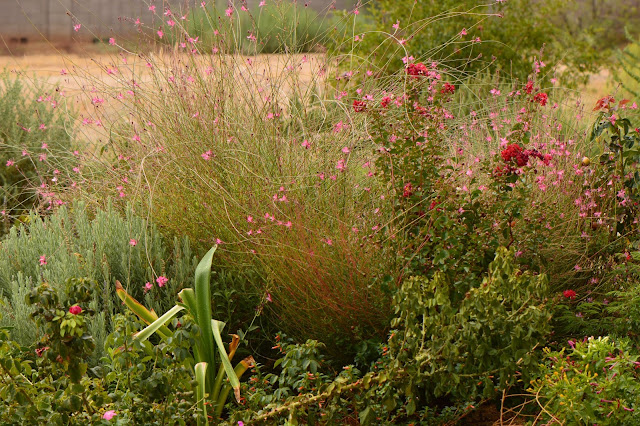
[35,140]
[470,36]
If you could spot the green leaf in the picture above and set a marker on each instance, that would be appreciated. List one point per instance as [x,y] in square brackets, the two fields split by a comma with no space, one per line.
[203,311]
[201,379]
[154,326]
[233,379]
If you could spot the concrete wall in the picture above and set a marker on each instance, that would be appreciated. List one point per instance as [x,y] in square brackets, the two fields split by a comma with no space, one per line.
[29,20]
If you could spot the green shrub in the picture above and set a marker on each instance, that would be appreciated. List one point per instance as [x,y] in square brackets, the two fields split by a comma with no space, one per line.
[468,36]
[593,382]
[35,147]
[442,348]
[71,243]
[278,26]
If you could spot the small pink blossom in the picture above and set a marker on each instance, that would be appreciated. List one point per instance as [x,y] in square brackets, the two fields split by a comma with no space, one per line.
[162,280]
[112,41]
[108,415]
[43,260]
[133,242]
[147,286]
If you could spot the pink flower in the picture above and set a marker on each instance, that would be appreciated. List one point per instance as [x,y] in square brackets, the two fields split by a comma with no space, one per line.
[147,286]
[306,144]
[229,12]
[162,280]
[133,242]
[112,41]
[10,163]
[43,260]
[160,33]
[75,310]
[108,415]
[76,27]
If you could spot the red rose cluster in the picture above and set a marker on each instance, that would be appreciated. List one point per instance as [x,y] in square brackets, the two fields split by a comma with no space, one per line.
[515,154]
[416,70]
[359,106]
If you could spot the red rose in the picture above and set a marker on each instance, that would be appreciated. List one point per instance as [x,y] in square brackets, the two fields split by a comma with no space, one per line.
[529,87]
[359,106]
[448,88]
[416,70]
[75,310]
[541,98]
[515,152]
[569,294]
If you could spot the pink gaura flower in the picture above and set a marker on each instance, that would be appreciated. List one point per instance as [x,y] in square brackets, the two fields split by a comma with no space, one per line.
[162,280]
[147,286]
[43,260]
[133,242]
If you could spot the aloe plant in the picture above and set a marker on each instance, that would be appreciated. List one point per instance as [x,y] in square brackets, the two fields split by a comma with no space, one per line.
[210,381]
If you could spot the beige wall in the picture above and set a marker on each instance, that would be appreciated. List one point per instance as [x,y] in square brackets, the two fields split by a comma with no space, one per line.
[52,19]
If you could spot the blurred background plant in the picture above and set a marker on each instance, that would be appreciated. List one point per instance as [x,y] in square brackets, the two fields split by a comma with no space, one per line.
[36,134]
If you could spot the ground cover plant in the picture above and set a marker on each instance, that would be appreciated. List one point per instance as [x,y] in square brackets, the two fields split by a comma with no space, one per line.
[401,236]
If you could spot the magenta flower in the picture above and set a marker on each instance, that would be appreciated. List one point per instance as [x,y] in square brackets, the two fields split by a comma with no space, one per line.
[162,280]
[43,260]
[75,310]
[108,415]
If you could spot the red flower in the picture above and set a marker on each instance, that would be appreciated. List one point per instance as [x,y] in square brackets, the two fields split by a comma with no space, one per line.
[408,190]
[448,88]
[75,310]
[417,70]
[515,152]
[569,294]
[529,87]
[385,102]
[359,106]
[541,98]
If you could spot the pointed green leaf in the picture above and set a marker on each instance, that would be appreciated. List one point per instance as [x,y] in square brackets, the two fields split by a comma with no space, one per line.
[233,379]
[155,326]
[201,379]
[203,311]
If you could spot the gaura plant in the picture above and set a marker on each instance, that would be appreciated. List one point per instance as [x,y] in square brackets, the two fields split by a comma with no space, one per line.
[198,304]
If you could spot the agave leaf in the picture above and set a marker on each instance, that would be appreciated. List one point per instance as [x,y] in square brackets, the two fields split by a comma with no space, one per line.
[201,379]
[233,346]
[202,313]
[157,324]
[143,313]
[240,369]
[217,326]
[188,297]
